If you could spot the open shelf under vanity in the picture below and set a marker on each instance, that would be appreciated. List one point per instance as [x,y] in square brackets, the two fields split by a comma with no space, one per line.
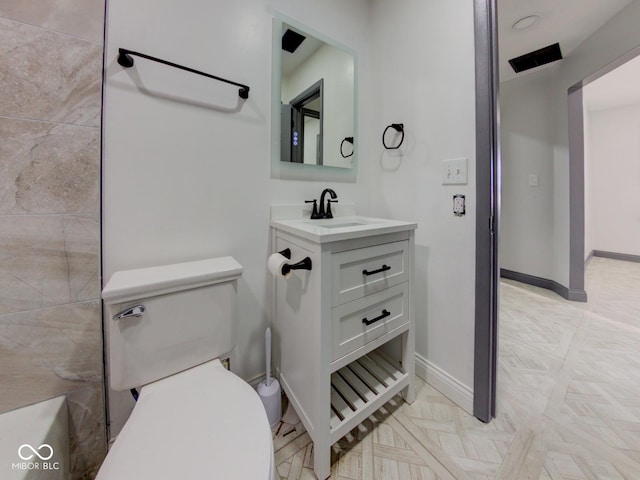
[360,388]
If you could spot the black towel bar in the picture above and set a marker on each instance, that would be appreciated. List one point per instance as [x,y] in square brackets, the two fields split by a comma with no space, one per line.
[124,59]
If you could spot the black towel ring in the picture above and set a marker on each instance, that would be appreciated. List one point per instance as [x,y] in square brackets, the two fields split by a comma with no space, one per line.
[348,140]
[398,127]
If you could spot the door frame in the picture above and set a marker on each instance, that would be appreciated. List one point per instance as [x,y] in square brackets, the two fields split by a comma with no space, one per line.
[488,199]
[487,209]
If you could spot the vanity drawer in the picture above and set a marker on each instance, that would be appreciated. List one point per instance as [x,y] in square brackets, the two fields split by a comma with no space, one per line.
[364,271]
[359,322]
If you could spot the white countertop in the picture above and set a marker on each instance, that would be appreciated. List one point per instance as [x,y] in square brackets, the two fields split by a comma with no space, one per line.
[341,228]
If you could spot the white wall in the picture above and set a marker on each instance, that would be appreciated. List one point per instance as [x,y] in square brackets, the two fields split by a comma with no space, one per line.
[614,144]
[424,77]
[185,175]
[526,130]
[620,35]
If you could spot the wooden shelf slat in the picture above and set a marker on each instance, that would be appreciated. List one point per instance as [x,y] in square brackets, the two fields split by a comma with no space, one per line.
[368,379]
[381,360]
[363,391]
[348,392]
[339,405]
[358,385]
[376,370]
[334,420]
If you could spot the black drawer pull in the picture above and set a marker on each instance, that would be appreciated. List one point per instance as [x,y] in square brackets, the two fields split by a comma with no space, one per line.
[385,314]
[384,268]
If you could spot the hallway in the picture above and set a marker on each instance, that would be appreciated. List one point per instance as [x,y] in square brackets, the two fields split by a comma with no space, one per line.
[568,399]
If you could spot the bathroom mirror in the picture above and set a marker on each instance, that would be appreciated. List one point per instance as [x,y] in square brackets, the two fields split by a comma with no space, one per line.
[301,127]
[313,106]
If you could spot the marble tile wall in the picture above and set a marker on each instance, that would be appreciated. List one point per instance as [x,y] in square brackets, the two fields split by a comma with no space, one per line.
[50,316]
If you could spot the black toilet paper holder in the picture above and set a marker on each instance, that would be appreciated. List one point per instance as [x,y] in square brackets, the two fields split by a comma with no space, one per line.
[304,264]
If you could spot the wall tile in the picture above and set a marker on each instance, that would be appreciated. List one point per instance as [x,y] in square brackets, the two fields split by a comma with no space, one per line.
[60,343]
[33,265]
[48,168]
[82,244]
[47,260]
[24,383]
[87,431]
[81,18]
[50,108]
[49,76]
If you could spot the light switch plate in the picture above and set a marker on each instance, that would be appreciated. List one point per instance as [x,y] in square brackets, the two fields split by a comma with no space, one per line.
[454,171]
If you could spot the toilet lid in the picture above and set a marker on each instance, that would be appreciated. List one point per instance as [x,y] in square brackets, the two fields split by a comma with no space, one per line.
[204,423]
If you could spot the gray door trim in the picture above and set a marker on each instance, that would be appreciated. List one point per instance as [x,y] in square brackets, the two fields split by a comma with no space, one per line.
[576,196]
[621,60]
[487,209]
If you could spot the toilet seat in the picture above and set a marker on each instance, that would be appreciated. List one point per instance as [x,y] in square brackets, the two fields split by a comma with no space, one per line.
[203,423]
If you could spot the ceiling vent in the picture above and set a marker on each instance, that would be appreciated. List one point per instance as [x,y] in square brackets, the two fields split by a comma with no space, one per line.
[536,59]
[291,40]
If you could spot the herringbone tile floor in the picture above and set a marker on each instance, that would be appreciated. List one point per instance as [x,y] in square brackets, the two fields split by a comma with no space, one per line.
[568,400]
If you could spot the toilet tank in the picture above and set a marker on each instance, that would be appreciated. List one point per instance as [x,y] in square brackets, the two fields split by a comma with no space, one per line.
[163,320]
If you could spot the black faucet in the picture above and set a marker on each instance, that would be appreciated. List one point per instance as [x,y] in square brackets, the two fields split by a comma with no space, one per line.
[322,213]
[314,213]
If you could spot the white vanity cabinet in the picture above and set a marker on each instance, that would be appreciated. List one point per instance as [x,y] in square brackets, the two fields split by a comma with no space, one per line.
[331,324]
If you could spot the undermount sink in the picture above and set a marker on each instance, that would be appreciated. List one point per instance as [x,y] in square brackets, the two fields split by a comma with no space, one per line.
[340,225]
[339,222]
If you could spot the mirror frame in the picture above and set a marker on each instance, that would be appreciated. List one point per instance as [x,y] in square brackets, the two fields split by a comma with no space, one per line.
[300,171]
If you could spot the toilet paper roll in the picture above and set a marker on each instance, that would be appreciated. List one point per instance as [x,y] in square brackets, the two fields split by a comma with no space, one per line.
[275,264]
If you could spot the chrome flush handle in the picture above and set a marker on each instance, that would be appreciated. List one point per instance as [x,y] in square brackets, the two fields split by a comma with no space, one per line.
[136,311]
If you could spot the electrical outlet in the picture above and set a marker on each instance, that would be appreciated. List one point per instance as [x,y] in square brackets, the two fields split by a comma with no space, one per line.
[454,172]
[458,205]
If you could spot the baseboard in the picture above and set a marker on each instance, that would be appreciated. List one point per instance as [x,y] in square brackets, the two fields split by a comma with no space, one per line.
[589,257]
[569,294]
[616,256]
[576,295]
[449,386]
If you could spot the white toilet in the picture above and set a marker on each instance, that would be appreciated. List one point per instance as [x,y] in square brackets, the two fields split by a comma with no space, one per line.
[193,418]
